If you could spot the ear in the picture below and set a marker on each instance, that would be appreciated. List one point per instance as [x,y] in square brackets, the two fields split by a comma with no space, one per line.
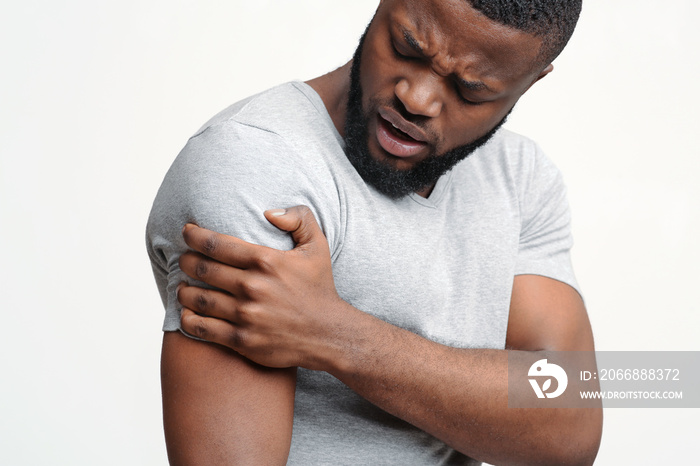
[548,69]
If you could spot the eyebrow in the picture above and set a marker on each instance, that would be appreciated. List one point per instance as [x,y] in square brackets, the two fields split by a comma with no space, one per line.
[474,86]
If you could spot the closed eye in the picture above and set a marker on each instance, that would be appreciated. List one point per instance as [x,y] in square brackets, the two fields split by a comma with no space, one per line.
[465,100]
[398,53]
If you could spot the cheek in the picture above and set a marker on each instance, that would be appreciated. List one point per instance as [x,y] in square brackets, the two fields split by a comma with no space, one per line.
[378,71]
[463,125]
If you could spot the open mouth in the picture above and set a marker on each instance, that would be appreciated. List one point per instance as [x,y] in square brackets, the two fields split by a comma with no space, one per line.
[400,134]
[396,141]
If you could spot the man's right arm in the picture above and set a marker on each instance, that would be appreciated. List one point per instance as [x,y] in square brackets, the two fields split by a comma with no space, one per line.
[220,408]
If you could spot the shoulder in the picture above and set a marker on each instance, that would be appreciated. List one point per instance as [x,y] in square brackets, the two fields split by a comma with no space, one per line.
[514,150]
[278,129]
[277,110]
[246,160]
[517,160]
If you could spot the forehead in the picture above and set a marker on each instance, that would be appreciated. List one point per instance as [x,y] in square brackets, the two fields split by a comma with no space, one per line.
[464,41]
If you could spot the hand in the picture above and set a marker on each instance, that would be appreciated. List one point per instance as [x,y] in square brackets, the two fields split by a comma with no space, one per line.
[273,307]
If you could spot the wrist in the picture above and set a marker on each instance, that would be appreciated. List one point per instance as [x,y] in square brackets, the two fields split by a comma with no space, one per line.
[339,338]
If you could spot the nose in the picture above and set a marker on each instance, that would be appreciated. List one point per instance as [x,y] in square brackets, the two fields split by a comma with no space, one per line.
[420,95]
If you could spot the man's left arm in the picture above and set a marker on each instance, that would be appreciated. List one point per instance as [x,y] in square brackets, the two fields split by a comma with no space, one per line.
[280,309]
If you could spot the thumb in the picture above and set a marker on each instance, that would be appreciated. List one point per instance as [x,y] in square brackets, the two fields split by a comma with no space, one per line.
[300,222]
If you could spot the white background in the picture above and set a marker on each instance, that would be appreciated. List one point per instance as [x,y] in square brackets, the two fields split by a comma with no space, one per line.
[97,98]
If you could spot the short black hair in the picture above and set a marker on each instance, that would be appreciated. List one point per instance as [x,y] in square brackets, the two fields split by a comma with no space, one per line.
[551,20]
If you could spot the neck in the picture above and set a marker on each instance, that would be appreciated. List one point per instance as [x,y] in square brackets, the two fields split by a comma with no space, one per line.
[333,88]
[426,192]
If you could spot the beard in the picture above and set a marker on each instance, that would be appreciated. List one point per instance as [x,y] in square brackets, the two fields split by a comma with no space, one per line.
[387,179]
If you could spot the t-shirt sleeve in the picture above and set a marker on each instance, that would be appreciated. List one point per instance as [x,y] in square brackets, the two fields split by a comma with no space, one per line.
[224,179]
[545,235]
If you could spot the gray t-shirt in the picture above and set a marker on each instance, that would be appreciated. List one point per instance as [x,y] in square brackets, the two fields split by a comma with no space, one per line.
[441,267]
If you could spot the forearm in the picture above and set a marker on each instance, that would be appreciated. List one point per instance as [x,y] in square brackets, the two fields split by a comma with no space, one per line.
[458,395]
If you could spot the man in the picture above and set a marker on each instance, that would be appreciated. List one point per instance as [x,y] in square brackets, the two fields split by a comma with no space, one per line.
[443,247]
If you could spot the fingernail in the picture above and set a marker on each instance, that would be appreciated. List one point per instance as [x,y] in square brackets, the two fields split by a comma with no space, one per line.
[277,212]
[177,290]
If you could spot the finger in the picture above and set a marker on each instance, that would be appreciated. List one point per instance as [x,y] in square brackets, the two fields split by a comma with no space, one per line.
[209,303]
[224,248]
[209,329]
[212,272]
[300,222]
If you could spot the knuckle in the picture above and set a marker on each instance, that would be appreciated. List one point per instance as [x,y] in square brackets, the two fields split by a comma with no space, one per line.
[237,339]
[245,313]
[201,330]
[195,326]
[205,302]
[306,214]
[202,269]
[266,261]
[210,244]
[252,287]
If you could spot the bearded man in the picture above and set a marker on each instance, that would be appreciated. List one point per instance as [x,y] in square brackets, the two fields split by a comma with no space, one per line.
[432,246]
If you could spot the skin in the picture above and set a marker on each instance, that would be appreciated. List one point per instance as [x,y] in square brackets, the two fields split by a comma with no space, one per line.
[204,425]
[280,308]
[427,81]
